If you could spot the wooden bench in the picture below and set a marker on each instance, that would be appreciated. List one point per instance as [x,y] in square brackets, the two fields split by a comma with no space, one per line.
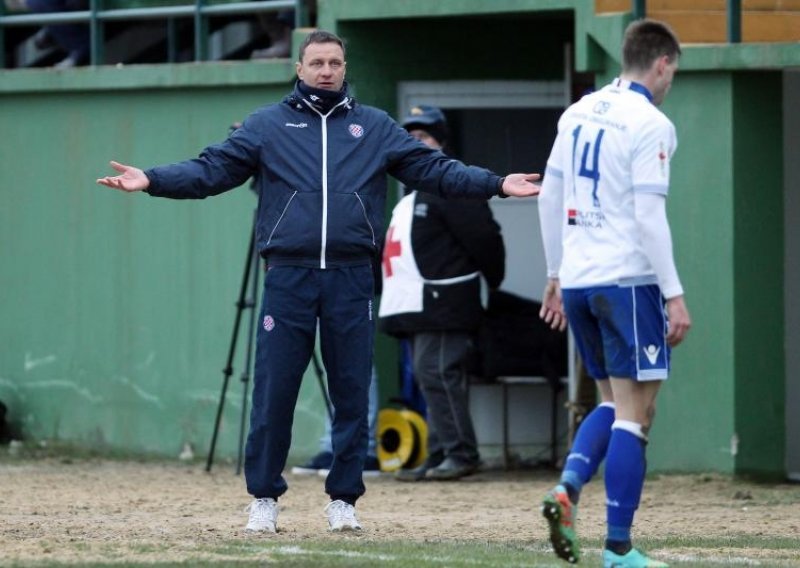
[555,390]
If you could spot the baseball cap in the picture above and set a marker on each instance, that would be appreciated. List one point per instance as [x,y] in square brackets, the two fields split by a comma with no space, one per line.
[423,115]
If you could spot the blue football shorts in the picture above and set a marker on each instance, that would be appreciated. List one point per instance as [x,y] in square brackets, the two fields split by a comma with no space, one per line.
[620,331]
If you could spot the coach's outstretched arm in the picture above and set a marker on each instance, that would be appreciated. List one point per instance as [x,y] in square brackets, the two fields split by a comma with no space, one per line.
[130,179]
[520,185]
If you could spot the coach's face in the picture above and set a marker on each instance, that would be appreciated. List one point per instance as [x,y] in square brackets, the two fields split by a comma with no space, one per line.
[665,73]
[322,66]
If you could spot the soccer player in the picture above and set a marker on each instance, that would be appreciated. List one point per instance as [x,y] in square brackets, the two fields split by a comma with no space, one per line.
[611,274]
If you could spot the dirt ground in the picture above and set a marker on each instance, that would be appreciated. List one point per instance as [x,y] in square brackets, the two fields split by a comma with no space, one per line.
[80,511]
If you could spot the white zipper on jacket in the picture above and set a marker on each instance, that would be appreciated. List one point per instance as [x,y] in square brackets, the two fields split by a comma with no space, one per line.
[366,217]
[278,222]
[324,241]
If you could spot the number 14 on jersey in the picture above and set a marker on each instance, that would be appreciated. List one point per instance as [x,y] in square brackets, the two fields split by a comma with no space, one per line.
[585,169]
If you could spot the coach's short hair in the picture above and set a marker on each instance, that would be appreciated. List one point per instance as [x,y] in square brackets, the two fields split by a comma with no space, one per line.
[319,36]
[645,41]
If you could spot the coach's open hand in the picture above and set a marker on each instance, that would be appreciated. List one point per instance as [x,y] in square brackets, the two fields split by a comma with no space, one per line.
[131,179]
[519,185]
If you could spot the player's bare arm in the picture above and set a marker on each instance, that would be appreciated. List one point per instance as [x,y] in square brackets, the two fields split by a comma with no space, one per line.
[679,320]
[131,179]
[552,311]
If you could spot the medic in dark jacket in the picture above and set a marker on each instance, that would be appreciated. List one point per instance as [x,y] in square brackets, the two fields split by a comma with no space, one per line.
[452,245]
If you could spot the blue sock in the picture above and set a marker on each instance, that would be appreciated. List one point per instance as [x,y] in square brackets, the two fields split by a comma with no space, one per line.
[588,449]
[618,534]
[625,469]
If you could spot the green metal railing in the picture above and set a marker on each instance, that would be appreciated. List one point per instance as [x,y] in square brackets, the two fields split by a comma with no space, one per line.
[734,21]
[733,17]
[199,12]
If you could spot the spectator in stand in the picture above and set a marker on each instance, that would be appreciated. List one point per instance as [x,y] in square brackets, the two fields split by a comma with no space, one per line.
[71,38]
[278,26]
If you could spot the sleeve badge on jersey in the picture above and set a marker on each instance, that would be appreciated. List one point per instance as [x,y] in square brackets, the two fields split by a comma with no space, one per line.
[663,158]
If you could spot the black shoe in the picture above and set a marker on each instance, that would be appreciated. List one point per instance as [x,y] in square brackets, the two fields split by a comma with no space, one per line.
[450,469]
[322,460]
[415,474]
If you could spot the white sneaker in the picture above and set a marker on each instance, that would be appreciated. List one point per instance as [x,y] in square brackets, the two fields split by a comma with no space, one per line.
[341,517]
[263,515]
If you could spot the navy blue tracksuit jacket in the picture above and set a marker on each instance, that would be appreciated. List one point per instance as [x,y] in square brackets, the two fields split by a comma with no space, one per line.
[321,182]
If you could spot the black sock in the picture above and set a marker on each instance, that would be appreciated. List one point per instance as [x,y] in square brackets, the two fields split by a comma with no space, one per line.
[621,547]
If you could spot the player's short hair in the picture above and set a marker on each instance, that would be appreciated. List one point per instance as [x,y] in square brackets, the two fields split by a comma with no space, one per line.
[319,36]
[645,41]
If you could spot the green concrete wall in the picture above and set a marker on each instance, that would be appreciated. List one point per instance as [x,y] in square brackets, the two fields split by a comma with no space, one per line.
[758,272]
[695,421]
[727,389]
[118,309]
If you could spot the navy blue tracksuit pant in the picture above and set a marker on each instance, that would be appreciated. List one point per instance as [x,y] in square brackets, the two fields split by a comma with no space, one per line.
[294,298]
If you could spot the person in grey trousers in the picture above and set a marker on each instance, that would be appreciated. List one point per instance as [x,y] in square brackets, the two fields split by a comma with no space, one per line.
[435,254]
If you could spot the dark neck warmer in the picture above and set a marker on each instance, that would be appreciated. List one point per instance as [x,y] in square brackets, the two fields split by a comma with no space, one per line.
[321,99]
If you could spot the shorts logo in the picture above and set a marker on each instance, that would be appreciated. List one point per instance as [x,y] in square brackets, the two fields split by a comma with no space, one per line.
[269,323]
[651,352]
[356,130]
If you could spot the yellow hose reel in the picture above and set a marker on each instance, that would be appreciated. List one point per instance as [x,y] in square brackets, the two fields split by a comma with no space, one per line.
[402,439]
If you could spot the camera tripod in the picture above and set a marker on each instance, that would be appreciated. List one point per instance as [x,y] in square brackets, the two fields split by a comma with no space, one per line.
[245,302]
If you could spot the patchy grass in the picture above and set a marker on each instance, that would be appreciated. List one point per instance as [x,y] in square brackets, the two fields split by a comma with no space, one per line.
[67,506]
[354,552]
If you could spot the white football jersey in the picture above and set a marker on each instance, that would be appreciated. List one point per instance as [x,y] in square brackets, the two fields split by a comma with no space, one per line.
[610,144]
